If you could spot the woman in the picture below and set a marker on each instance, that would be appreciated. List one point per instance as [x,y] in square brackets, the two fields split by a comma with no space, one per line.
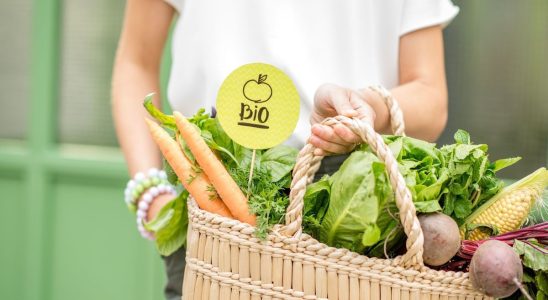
[332,50]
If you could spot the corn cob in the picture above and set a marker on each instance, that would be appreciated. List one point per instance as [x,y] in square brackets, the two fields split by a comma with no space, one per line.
[508,209]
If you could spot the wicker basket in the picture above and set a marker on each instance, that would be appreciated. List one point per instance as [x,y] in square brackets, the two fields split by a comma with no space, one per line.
[226,261]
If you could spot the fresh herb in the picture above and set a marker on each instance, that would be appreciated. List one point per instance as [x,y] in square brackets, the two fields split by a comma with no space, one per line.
[267,199]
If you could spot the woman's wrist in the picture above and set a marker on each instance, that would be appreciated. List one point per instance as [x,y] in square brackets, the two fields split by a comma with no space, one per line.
[146,194]
[140,183]
[147,201]
[157,204]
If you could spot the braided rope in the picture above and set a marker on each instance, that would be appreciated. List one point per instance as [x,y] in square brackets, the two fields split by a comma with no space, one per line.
[396,114]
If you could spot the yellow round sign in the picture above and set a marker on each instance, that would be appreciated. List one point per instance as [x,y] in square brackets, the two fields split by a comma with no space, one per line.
[258,106]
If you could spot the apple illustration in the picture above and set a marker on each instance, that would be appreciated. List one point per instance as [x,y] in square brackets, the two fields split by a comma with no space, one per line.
[257,90]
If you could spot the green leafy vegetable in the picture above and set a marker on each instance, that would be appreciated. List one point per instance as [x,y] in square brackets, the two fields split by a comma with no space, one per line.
[503,163]
[165,120]
[534,257]
[279,161]
[350,220]
[267,199]
[354,208]
[170,225]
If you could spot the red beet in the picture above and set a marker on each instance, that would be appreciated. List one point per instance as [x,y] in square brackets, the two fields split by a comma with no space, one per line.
[496,269]
[441,238]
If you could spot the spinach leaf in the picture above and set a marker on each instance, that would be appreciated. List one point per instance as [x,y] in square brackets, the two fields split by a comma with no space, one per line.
[353,205]
[279,161]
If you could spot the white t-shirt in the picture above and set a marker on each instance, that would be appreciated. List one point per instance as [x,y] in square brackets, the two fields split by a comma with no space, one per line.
[352,43]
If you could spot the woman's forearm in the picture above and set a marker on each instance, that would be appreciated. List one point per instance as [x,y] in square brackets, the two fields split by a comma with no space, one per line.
[136,74]
[131,83]
[424,109]
[422,91]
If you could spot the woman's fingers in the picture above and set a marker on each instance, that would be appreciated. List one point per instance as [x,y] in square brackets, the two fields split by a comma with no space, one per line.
[329,147]
[327,133]
[345,134]
[364,110]
[321,152]
[338,134]
[331,100]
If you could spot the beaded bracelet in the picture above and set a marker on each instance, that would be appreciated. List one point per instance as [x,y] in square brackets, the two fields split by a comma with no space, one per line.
[140,183]
[144,205]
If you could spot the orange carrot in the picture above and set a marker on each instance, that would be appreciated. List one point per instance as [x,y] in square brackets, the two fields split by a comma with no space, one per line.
[227,188]
[197,184]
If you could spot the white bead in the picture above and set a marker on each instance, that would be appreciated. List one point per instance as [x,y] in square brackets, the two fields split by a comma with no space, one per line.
[139,221]
[153,172]
[131,185]
[162,174]
[161,188]
[143,206]
[139,177]
[147,197]
[128,200]
[126,192]
[141,214]
[153,191]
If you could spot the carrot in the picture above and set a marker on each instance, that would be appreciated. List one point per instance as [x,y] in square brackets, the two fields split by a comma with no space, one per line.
[227,188]
[197,184]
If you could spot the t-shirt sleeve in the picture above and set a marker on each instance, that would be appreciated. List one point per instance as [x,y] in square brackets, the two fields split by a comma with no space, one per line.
[177,4]
[419,14]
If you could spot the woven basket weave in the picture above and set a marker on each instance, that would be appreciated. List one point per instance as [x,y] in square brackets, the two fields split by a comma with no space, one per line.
[225,260]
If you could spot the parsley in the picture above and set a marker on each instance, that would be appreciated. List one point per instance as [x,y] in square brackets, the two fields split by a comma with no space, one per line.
[268,200]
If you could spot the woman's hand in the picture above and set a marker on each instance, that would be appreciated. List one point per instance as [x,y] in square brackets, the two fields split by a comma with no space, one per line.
[332,100]
[157,204]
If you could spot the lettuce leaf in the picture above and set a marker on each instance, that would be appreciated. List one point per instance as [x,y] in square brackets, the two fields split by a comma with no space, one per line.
[170,225]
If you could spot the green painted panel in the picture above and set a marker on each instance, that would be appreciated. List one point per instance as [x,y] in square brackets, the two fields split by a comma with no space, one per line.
[89,37]
[96,252]
[15,17]
[12,224]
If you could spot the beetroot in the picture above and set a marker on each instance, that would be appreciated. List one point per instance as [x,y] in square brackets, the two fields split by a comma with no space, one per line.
[441,238]
[496,269]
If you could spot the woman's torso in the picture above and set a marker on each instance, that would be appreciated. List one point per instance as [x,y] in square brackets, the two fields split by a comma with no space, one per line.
[352,43]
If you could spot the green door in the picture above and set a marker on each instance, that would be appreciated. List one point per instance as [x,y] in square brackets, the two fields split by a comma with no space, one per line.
[66,233]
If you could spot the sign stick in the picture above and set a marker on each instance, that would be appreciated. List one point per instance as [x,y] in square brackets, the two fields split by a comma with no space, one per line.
[251,172]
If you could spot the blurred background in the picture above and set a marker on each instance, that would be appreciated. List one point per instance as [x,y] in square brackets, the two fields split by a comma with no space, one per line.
[65,231]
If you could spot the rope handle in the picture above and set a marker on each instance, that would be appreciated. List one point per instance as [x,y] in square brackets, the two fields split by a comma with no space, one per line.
[307,164]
